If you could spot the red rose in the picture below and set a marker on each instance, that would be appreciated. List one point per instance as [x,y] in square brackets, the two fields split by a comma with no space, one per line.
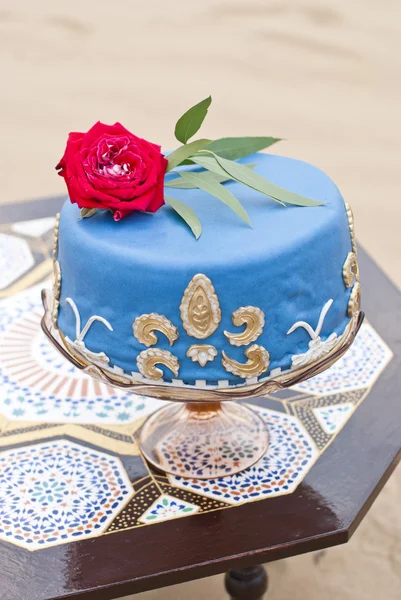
[109,167]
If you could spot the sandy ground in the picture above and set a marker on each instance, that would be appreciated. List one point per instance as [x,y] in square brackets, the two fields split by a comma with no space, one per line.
[323,75]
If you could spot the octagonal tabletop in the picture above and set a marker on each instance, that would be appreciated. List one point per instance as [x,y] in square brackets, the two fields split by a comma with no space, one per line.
[81,513]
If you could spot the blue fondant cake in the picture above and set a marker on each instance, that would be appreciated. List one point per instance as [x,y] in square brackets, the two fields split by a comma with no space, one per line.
[236,306]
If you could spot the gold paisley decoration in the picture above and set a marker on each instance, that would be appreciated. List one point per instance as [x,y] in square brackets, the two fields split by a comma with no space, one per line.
[257,363]
[351,224]
[202,353]
[354,300]
[350,269]
[148,359]
[199,308]
[253,318]
[145,325]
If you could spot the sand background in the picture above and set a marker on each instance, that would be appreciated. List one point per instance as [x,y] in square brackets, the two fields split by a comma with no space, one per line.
[326,76]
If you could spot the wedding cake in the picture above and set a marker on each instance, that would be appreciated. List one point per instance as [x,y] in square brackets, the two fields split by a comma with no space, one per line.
[264,280]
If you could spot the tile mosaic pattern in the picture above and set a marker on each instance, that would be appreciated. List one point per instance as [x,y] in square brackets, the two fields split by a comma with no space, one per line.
[148,490]
[308,411]
[119,439]
[167,507]
[38,384]
[25,254]
[57,492]
[34,228]
[360,366]
[332,418]
[15,259]
[290,455]
[190,450]
[55,489]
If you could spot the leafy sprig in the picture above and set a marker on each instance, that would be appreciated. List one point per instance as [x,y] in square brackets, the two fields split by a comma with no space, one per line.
[218,158]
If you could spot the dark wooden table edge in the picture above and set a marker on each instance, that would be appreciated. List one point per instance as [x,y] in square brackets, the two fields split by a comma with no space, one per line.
[240,561]
[360,515]
[219,566]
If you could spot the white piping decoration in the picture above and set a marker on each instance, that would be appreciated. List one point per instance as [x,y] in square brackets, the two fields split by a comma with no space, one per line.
[136,377]
[317,347]
[98,358]
[275,372]
[202,353]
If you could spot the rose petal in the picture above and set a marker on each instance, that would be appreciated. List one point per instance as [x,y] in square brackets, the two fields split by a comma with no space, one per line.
[111,168]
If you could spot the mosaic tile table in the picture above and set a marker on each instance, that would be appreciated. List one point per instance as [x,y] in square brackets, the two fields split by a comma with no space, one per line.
[82,514]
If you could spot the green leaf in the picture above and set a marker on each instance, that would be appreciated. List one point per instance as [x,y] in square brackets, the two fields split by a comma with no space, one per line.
[178,156]
[87,212]
[207,183]
[187,162]
[179,183]
[189,123]
[237,147]
[187,214]
[184,184]
[210,163]
[259,183]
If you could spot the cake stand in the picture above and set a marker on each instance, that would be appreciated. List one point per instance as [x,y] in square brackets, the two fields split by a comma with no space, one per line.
[201,432]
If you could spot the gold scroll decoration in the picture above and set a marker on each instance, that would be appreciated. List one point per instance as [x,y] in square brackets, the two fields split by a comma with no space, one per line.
[257,363]
[354,301]
[148,359]
[145,326]
[350,269]
[350,216]
[199,308]
[56,274]
[202,353]
[253,318]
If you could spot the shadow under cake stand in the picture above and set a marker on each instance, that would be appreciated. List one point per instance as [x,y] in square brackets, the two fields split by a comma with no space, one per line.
[201,432]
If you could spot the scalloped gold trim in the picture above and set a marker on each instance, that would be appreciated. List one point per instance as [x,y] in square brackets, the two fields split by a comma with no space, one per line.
[351,224]
[199,308]
[56,274]
[145,325]
[257,363]
[55,235]
[253,318]
[148,359]
[202,353]
[354,301]
[56,291]
[350,269]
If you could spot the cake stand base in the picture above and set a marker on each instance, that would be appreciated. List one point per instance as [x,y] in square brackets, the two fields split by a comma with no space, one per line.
[203,440]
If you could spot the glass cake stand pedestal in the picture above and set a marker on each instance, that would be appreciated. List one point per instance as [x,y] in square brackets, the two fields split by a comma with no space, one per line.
[204,439]
[201,433]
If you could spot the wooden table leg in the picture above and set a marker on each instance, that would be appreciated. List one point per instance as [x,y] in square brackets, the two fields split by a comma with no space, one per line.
[247,584]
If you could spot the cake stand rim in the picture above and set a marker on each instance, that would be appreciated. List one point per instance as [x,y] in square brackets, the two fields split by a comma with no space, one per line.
[178,393]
